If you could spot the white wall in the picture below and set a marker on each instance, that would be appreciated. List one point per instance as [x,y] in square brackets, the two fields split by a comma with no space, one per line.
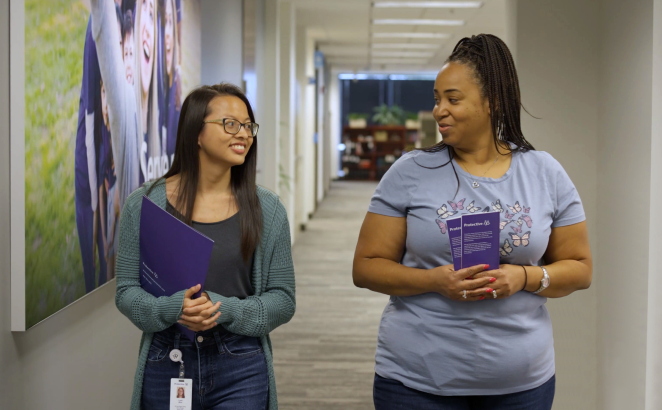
[593,71]
[287,135]
[305,123]
[86,353]
[321,135]
[624,228]
[335,129]
[558,65]
[267,69]
[222,51]
[654,325]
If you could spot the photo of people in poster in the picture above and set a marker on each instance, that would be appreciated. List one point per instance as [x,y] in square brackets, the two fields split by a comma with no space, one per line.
[123,129]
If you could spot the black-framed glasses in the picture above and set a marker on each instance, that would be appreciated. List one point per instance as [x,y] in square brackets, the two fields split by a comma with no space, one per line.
[232,126]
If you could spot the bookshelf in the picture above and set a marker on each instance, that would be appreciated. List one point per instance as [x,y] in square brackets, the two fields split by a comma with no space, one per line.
[370,151]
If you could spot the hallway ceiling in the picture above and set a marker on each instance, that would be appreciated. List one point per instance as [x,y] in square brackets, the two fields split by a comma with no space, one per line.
[344,32]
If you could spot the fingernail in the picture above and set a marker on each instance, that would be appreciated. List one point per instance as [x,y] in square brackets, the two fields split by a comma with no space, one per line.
[481,298]
[492,280]
[486,267]
[489,290]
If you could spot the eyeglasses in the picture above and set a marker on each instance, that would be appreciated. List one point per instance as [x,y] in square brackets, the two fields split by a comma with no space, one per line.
[232,126]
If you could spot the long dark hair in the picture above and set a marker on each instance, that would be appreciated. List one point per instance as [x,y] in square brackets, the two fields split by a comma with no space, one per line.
[493,68]
[187,164]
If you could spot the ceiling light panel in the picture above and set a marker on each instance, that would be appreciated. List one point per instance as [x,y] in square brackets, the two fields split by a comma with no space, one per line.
[418,46]
[418,22]
[409,61]
[420,54]
[429,4]
[412,35]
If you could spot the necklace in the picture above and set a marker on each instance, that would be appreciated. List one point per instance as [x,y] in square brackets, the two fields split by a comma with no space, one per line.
[475,183]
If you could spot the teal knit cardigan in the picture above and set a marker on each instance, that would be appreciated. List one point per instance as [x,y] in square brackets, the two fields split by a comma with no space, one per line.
[273,282]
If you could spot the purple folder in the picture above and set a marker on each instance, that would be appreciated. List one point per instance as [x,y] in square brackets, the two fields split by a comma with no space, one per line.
[173,255]
[480,239]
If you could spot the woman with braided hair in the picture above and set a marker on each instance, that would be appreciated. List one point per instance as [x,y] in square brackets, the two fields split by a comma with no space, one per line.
[480,337]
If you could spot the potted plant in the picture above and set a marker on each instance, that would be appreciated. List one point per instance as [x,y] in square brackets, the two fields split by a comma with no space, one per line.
[385,115]
[357,120]
[411,121]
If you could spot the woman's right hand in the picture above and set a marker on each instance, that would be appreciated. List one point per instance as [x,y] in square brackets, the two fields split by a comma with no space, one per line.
[452,283]
[198,314]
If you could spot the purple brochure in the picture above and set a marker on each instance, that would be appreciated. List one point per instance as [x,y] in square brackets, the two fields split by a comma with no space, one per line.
[480,239]
[455,236]
[173,255]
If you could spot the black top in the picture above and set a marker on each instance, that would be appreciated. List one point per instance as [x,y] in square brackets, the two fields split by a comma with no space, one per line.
[228,274]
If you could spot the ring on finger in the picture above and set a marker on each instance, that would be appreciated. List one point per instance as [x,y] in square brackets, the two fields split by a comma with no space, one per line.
[464,294]
[494,294]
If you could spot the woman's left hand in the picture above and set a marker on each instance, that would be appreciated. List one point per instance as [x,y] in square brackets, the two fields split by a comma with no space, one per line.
[509,280]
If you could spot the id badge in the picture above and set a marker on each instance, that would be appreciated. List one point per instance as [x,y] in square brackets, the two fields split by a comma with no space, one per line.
[181,394]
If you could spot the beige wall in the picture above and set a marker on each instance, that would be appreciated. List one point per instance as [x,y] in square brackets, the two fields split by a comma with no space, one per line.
[557,61]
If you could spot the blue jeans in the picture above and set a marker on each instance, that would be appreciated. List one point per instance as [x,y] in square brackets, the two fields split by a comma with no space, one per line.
[229,371]
[390,395]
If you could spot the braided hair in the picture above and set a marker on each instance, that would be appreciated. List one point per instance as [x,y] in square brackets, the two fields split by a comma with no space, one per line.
[494,70]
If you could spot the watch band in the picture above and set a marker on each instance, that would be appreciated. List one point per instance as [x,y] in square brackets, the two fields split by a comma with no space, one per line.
[545,278]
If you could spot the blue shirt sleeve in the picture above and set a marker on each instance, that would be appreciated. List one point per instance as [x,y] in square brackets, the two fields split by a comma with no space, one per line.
[394,192]
[568,208]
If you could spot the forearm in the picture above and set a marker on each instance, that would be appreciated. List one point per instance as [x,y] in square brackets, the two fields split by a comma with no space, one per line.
[391,278]
[118,93]
[104,31]
[566,277]
[255,316]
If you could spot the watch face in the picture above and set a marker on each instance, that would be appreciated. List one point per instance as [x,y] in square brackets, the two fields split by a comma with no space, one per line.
[545,281]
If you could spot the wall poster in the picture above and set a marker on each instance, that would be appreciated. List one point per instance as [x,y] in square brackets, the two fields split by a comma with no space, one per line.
[101,83]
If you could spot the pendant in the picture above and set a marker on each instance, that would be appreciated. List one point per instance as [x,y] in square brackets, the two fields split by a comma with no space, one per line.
[475,184]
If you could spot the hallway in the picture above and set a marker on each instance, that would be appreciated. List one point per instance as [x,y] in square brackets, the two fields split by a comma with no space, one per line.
[324,358]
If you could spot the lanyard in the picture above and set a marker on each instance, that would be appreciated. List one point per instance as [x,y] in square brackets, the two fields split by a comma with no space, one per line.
[176,355]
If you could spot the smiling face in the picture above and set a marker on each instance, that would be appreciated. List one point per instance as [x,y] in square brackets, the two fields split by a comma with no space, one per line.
[128,58]
[146,33]
[169,36]
[218,146]
[461,111]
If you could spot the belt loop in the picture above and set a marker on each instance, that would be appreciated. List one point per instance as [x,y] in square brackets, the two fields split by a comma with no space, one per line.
[219,343]
[177,336]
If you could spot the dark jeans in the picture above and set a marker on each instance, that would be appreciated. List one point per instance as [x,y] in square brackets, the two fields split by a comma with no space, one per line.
[229,371]
[390,395]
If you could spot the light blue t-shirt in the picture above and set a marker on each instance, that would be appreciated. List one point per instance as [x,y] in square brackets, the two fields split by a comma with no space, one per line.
[437,345]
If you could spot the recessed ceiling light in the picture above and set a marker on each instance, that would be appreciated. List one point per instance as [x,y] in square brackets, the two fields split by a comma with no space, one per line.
[411,35]
[406,45]
[402,54]
[430,4]
[419,22]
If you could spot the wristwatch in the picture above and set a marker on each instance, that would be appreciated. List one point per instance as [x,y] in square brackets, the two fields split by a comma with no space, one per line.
[544,282]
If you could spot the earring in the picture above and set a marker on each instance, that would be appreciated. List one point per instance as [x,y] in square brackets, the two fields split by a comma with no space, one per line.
[500,130]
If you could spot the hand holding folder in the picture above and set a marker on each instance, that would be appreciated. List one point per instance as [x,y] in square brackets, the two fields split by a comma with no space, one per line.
[173,255]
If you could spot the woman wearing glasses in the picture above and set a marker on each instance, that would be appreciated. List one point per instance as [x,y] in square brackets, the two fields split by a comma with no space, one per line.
[249,290]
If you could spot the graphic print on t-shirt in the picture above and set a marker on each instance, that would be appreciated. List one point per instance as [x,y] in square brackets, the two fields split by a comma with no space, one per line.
[515,217]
